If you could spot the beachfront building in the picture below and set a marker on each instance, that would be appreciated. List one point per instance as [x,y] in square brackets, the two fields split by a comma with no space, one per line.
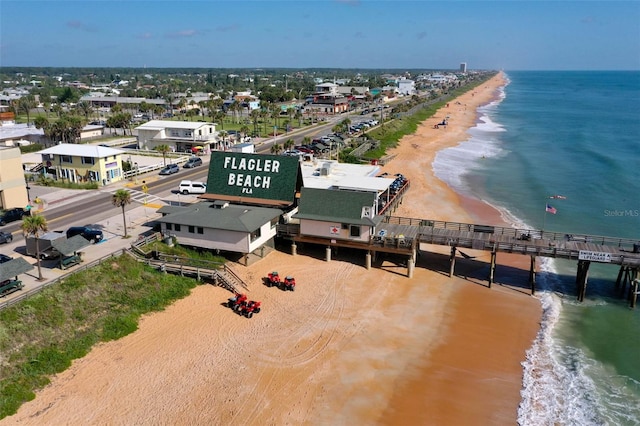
[13,189]
[337,214]
[333,175]
[247,196]
[83,163]
[180,136]
[221,226]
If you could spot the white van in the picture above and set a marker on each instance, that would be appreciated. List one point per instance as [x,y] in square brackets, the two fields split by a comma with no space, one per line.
[190,187]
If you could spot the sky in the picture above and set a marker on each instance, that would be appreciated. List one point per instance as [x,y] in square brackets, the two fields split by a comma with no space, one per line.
[370,34]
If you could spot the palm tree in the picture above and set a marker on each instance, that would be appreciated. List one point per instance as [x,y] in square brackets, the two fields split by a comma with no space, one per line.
[255,119]
[84,108]
[163,149]
[244,131]
[276,148]
[25,104]
[289,143]
[298,116]
[121,198]
[223,134]
[35,225]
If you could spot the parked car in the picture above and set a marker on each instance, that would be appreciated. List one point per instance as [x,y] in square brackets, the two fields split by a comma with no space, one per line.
[193,162]
[170,169]
[5,237]
[12,215]
[91,234]
[191,187]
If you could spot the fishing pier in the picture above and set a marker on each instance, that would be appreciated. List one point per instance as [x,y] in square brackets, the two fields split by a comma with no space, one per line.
[404,236]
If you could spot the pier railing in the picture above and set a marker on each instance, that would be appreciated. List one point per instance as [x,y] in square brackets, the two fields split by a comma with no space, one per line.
[518,233]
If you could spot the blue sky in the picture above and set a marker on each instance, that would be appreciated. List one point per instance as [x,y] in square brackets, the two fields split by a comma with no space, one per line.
[510,35]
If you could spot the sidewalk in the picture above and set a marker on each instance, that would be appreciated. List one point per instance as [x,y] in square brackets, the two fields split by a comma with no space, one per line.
[139,219]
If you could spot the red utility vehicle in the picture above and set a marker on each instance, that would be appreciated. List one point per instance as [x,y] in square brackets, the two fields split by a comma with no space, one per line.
[273,279]
[289,283]
[250,308]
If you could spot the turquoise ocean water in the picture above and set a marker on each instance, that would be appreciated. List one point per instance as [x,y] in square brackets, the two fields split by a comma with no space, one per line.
[575,134]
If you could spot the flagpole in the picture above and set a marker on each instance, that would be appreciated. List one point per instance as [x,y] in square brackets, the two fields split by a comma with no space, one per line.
[546,203]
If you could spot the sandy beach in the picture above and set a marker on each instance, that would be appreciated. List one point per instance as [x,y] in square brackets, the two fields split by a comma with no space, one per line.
[349,346]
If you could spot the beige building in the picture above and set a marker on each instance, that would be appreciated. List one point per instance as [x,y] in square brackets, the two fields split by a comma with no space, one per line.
[83,163]
[13,188]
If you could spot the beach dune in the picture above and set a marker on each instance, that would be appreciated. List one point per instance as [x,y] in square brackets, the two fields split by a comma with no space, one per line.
[349,346]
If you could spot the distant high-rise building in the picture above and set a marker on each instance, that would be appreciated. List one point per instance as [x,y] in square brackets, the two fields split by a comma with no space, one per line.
[463,67]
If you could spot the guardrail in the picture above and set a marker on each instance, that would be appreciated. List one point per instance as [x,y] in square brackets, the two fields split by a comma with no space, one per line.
[517,233]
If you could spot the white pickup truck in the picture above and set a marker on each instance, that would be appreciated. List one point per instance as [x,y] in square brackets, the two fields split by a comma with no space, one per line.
[192,187]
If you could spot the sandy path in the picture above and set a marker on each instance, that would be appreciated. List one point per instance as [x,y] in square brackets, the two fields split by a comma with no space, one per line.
[349,346]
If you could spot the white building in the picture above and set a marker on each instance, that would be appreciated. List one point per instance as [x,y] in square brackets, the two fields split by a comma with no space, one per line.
[406,87]
[181,136]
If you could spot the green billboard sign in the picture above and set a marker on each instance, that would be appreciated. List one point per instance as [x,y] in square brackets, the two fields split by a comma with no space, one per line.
[268,177]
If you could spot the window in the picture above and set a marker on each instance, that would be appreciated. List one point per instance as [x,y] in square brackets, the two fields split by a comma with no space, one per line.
[176,227]
[88,160]
[168,226]
[94,176]
[200,230]
[187,133]
[354,231]
[345,226]
[255,235]
[66,159]
[274,223]
[192,229]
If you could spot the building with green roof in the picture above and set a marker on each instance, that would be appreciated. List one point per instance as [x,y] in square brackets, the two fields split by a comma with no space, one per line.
[221,226]
[337,214]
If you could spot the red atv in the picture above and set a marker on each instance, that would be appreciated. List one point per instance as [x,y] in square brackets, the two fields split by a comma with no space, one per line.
[249,308]
[236,302]
[273,279]
[289,283]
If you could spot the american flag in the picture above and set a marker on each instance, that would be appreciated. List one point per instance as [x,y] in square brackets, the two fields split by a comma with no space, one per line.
[551,209]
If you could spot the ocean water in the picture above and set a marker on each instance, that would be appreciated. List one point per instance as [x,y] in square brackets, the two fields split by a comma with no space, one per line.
[575,134]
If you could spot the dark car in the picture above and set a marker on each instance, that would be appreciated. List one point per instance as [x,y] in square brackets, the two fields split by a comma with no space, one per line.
[193,162]
[5,237]
[4,258]
[93,235]
[170,169]
[12,215]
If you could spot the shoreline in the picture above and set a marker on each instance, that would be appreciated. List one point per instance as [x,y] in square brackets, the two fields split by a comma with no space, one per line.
[466,355]
[350,346]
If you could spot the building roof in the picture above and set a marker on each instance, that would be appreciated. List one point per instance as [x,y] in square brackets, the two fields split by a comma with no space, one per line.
[340,174]
[209,215]
[336,206]
[69,246]
[14,131]
[77,150]
[364,183]
[13,268]
[168,124]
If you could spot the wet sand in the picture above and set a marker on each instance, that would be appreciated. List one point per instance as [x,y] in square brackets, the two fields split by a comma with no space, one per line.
[349,346]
